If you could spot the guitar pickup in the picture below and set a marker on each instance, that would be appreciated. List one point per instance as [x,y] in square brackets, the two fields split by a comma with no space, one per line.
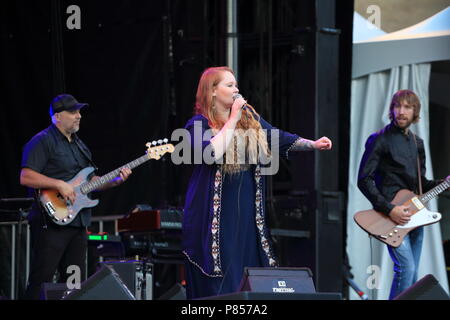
[50,208]
[419,205]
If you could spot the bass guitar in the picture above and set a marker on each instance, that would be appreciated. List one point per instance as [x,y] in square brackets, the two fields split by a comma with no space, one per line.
[63,212]
[381,227]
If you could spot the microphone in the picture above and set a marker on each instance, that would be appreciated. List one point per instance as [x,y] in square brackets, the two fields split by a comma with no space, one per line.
[237,96]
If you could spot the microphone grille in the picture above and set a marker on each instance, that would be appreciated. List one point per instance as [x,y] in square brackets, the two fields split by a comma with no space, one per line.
[237,96]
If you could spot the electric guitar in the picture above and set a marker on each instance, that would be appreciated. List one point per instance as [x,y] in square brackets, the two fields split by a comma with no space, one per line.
[384,229]
[63,212]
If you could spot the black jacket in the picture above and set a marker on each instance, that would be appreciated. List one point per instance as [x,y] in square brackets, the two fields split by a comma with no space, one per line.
[389,164]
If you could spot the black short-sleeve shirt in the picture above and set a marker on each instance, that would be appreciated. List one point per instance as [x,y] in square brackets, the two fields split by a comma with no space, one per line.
[50,153]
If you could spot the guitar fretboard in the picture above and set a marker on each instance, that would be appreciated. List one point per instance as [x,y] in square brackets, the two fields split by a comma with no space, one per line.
[98,183]
[434,192]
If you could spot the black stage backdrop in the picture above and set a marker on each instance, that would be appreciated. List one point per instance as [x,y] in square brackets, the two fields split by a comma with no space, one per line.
[118,63]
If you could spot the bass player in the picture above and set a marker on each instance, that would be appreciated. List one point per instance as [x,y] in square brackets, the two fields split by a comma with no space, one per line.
[49,159]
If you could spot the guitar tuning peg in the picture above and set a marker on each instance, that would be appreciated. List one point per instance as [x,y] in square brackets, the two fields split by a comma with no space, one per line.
[165,140]
[159,141]
[154,142]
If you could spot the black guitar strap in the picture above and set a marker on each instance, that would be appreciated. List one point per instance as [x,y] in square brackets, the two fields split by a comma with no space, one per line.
[418,165]
[82,147]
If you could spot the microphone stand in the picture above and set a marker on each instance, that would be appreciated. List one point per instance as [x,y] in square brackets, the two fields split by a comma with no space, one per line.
[355,287]
[348,277]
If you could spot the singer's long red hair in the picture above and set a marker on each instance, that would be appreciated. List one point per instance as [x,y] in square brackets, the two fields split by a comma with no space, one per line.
[204,105]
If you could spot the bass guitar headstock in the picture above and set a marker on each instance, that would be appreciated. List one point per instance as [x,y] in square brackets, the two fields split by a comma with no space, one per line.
[156,149]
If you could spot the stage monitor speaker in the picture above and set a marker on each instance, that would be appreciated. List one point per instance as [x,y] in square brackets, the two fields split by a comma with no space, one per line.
[132,274]
[246,295]
[105,284]
[177,292]
[278,280]
[427,288]
[52,291]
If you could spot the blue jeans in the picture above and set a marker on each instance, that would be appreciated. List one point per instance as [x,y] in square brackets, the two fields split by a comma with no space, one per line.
[406,261]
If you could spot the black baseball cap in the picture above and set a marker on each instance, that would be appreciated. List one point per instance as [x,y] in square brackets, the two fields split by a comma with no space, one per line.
[65,102]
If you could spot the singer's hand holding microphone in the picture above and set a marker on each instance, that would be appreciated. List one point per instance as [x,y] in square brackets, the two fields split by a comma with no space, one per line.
[237,107]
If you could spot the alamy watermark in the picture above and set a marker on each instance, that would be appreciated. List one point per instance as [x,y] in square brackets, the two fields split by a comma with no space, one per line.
[374,20]
[197,149]
[74,20]
[373,281]
[74,280]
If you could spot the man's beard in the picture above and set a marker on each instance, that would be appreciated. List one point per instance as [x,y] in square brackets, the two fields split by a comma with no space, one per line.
[74,129]
[403,124]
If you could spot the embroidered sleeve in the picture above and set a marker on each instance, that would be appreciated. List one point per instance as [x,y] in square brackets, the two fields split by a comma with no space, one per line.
[300,144]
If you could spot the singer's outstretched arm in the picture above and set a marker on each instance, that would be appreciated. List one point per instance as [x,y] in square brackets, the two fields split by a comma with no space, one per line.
[303,144]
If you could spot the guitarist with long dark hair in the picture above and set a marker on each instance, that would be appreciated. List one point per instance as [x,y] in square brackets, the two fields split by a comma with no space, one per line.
[390,164]
[51,158]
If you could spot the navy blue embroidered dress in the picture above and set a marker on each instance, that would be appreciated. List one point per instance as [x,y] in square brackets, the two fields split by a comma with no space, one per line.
[224,227]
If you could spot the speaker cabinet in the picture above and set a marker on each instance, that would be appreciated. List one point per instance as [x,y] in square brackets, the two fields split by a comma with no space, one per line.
[278,284]
[105,284]
[177,292]
[427,288]
[132,274]
[246,295]
[278,280]
[52,291]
